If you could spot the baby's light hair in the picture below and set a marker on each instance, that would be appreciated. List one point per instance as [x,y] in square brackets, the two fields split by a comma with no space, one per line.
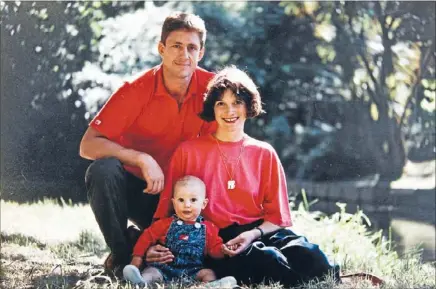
[190,181]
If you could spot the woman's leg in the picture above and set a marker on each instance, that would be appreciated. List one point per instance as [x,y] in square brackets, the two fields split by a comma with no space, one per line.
[264,264]
[279,257]
[261,262]
[304,258]
[253,266]
[282,257]
[244,268]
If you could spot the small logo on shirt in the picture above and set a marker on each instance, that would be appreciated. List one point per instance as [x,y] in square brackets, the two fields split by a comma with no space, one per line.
[98,122]
[183,237]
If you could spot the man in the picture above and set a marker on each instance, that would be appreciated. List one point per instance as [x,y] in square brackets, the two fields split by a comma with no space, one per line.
[134,135]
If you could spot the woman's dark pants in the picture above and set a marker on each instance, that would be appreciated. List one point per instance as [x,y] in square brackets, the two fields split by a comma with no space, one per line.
[279,257]
[116,195]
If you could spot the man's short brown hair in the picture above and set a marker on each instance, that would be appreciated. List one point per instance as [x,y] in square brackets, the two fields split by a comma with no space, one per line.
[183,21]
[242,86]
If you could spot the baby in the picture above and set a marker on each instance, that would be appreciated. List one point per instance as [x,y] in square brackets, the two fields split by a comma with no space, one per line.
[188,237]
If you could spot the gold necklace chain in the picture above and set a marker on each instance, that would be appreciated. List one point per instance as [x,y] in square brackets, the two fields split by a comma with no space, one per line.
[231,184]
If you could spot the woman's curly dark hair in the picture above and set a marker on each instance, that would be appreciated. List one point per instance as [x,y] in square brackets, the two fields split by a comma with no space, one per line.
[240,84]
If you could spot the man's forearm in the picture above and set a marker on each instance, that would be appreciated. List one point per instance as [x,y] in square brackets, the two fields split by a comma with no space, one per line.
[101,147]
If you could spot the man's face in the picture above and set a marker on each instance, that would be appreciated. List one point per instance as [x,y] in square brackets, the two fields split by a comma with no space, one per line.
[188,202]
[181,53]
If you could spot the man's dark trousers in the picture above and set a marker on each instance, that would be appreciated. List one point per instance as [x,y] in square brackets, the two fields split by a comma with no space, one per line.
[115,196]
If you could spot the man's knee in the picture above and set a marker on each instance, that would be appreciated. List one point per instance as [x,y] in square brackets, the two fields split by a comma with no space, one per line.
[102,169]
[101,174]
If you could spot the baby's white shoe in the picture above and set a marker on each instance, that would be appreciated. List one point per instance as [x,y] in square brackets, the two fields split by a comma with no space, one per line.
[131,273]
[225,282]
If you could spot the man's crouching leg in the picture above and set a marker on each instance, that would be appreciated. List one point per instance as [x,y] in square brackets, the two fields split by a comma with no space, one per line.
[106,188]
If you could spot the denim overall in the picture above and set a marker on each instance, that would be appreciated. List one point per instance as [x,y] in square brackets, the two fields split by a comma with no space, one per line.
[187,243]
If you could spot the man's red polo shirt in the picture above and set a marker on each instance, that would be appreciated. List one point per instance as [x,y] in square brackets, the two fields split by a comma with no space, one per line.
[143,116]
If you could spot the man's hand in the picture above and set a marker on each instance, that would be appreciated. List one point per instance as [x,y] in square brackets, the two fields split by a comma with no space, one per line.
[159,254]
[136,261]
[152,174]
[239,244]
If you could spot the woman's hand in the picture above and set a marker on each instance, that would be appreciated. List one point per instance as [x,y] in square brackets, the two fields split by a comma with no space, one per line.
[159,254]
[240,243]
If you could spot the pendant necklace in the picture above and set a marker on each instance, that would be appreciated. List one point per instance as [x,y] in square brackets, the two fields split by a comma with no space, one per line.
[231,183]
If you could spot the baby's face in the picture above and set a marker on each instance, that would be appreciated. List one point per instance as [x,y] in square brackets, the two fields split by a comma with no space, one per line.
[188,202]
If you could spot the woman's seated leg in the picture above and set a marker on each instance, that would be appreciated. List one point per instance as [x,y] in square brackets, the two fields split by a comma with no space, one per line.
[268,264]
[257,264]
[303,257]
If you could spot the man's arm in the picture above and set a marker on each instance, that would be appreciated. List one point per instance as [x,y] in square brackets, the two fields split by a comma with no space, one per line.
[95,145]
[175,171]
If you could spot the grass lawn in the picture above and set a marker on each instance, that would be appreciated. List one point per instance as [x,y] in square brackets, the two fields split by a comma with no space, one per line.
[45,245]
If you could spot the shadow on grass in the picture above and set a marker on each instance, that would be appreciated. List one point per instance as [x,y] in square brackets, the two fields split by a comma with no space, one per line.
[22,240]
[94,277]
[86,243]
[56,281]
[76,276]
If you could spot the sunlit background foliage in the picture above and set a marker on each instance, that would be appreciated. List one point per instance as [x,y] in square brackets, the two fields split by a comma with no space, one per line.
[349,87]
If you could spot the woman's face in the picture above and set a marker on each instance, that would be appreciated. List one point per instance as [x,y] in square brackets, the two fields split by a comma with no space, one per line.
[230,112]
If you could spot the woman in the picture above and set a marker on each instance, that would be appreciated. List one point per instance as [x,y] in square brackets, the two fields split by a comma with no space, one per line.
[246,186]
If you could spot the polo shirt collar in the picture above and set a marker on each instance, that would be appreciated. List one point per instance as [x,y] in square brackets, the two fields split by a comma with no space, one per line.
[161,89]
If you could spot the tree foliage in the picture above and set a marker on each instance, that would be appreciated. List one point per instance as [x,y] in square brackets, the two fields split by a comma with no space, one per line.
[42,44]
[344,83]
[383,53]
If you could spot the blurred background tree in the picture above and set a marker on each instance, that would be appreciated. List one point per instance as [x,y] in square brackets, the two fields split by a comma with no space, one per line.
[42,120]
[349,87]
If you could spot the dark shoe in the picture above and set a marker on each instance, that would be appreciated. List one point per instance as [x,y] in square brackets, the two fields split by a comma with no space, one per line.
[108,263]
[113,268]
